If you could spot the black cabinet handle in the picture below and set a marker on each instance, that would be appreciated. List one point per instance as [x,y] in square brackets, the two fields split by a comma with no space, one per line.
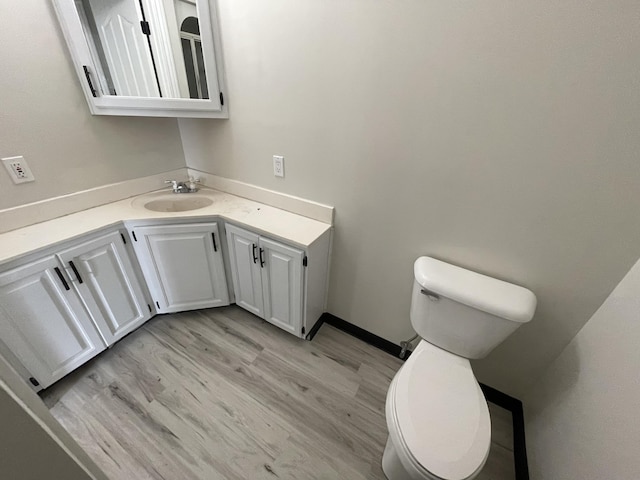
[261,257]
[87,75]
[61,277]
[255,257]
[75,270]
[215,247]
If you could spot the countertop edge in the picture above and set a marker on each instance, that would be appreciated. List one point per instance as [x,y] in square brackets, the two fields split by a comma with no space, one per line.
[231,209]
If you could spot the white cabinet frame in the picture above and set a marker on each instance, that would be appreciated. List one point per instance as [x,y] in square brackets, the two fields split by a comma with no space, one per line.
[103,104]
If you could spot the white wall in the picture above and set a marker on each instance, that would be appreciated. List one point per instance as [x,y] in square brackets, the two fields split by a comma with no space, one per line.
[44,116]
[500,136]
[582,415]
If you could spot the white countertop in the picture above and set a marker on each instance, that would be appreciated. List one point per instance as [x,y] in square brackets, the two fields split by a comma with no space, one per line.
[293,228]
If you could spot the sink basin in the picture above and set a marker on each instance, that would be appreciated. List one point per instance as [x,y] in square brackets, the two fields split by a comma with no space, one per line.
[181,204]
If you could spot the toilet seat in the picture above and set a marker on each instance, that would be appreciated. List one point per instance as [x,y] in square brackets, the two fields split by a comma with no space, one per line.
[438,415]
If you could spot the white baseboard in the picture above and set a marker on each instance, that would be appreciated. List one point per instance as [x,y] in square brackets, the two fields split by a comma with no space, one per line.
[306,208]
[43,210]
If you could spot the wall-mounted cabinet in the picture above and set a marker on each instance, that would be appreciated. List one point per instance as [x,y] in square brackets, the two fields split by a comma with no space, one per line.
[146,57]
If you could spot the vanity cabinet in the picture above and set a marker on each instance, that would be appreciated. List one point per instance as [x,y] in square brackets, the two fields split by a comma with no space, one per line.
[43,321]
[63,303]
[267,278]
[104,277]
[58,311]
[183,265]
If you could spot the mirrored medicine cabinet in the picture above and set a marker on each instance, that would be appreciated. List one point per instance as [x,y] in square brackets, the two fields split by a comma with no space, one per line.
[156,58]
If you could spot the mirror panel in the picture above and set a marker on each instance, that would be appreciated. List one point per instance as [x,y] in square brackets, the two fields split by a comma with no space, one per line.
[145,48]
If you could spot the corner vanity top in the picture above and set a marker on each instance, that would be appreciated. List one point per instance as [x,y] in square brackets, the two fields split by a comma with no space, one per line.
[284,225]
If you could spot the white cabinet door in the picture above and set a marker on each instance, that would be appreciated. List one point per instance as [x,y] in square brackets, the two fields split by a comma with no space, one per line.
[103,275]
[245,269]
[282,284]
[183,266]
[43,321]
[125,46]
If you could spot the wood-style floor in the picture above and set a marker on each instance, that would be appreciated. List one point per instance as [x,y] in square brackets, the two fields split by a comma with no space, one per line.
[221,394]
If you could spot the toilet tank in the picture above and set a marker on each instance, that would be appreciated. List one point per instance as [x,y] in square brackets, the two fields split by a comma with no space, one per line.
[465,312]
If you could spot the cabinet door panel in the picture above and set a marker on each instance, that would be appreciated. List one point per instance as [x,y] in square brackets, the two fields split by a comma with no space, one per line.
[44,325]
[282,285]
[183,265]
[245,271]
[128,55]
[110,287]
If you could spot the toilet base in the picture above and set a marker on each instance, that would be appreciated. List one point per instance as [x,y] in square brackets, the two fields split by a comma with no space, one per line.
[391,465]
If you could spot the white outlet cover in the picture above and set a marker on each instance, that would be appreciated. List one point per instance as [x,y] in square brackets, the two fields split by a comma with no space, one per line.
[278,165]
[15,165]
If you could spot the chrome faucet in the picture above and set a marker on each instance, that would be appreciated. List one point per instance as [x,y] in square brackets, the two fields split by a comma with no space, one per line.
[178,187]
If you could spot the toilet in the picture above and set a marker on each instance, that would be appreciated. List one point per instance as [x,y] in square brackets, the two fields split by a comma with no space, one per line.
[437,416]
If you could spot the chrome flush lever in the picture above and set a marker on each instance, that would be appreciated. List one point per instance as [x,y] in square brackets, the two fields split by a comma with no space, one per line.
[433,296]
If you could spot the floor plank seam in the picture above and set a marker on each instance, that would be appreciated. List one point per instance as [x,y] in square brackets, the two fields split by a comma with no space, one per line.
[218,395]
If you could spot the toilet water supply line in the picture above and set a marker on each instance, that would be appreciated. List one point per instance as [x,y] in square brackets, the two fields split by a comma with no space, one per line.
[404,346]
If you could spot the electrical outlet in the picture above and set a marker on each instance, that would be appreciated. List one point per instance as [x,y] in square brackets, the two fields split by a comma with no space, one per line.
[18,169]
[278,165]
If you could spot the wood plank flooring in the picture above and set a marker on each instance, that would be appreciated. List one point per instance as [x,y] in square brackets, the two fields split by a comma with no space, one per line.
[220,394]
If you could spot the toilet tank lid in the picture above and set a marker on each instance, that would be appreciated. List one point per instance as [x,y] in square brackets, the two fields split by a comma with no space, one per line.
[475,290]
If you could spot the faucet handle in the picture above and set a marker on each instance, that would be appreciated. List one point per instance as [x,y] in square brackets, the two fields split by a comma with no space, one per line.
[174,185]
[193,182]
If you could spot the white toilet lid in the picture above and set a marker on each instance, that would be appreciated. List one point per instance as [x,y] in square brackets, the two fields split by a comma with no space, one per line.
[442,414]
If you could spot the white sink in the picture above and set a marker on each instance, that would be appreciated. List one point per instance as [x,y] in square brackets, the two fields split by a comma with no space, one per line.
[178,204]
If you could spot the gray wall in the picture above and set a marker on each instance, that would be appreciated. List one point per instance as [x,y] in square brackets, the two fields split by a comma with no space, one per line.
[45,117]
[582,414]
[499,136]
[27,452]
[31,441]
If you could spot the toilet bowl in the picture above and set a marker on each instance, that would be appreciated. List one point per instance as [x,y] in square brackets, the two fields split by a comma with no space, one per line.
[438,419]
[437,416]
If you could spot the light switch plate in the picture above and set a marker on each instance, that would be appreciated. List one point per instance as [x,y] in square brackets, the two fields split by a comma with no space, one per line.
[18,169]
[278,165]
